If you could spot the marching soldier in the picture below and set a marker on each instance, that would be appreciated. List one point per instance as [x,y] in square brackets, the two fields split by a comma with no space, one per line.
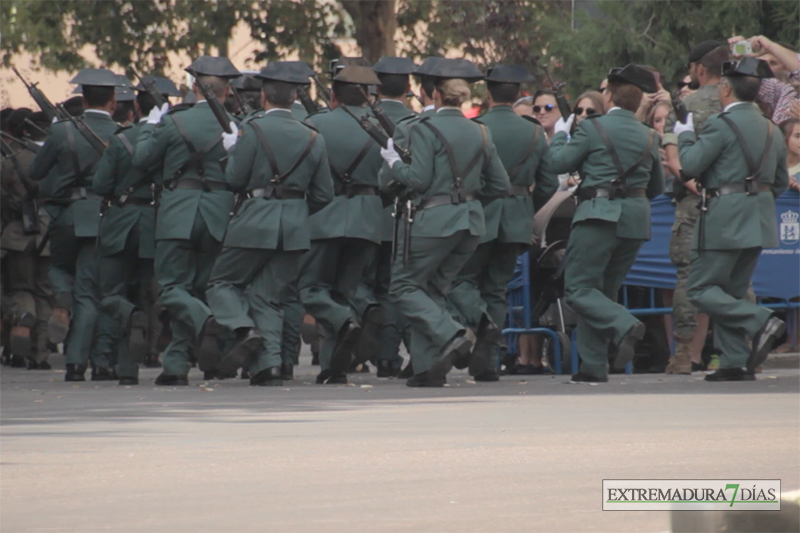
[705,66]
[393,72]
[192,214]
[620,166]
[740,160]
[73,151]
[445,220]
[127,244]
[479,291]
[345,234]
[27,255]
[249,89]
[280,167]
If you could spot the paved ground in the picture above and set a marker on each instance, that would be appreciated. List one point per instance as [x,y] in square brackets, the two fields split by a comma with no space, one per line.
[519,455]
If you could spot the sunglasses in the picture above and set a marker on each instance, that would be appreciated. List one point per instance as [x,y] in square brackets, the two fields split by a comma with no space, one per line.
[682,84]
[589,111]
[547,108]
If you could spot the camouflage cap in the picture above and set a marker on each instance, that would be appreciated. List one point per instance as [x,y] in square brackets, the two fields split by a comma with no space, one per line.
[697,53]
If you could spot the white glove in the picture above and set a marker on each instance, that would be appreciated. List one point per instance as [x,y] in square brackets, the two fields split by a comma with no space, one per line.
[389,154]
[156,114]
[564,125]
[680,127]
[229,139]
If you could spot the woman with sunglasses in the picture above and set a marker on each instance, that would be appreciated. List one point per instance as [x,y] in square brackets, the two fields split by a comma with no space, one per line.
[589,103]
[545,110]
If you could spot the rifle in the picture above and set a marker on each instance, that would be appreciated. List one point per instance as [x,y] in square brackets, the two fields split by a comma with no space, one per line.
[28,145]
[243,107]
[41,100]
[385,122]
[412,94]
[677,104]
[34,126]
[561,100]
[324,93]
[306,100]
[216,107]
[97,143]
[150,87]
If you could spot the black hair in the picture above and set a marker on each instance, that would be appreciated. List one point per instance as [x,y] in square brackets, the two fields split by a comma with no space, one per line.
[745,88]
[97,96]
[280,93]
[122,110]
[251,98]
[503,93]
[393,85]
[428,84]
[349,93]
[146,102]
[74,106]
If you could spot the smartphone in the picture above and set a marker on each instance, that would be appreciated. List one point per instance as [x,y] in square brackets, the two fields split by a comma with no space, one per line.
[742,48]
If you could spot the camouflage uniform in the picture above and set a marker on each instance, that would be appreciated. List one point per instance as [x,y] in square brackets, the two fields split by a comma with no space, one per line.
[702,104]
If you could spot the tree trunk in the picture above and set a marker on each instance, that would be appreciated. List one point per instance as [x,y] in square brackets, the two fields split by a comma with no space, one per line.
[375,22]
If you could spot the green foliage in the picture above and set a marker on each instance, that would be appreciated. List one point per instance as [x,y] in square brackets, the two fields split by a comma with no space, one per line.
[655,33]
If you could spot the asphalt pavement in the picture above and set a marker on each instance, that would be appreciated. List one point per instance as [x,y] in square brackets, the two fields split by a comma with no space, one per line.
[524,454]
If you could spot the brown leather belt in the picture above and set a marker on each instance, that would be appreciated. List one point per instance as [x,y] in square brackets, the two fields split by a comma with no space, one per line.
[446,199]
[734,188]
[519,190]
[276,193]
[590,193]
[191,184]
[358,190]
[130,200]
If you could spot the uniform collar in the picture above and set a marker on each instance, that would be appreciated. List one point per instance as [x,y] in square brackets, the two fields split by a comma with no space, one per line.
[732,105]
[428,108]
[98,111]
[449,111]
[502,108]
[616,110]
[393,100]
[277,109]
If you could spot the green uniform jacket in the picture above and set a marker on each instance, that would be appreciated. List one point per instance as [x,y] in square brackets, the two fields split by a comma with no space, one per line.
[358,217]
[268,224]
[115,174]
[163,143]
[510,219]
[57,153]
[430,174]
[15,188]
[397,112]
[702,103]
[587,153]
[299,111]
[736,221]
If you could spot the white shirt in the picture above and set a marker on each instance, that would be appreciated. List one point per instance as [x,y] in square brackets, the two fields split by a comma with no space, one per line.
[613,108]
[278,109]
[733,104]
[392,100]
[98,111]
[447,107]
[428,108]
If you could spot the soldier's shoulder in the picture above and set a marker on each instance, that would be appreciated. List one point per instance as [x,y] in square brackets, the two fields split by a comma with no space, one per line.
[180,108]
[408,118]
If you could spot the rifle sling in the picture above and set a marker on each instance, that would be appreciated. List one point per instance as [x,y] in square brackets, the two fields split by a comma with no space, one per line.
[80,173]
[458,177]
[344,177]
[531,150]
[197,155]
[273,163]
[751,163]
[623,174]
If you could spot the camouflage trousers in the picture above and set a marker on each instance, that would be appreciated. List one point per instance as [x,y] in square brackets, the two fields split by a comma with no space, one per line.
[684,314]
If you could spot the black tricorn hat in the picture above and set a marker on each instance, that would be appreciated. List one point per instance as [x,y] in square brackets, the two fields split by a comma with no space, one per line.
[747,66]
[296,72]
[635,75]
[220,67]
[164,86]
[247,81]
[394,65]
[509,74]
[455,68]
[426,67]
[99,77]
[358,75]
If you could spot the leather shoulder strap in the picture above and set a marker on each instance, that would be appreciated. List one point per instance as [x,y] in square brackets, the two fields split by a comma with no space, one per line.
[748,156]
[609,145]
[345,176]
[196,160]
[458,177]
[125,142]
[623,173]
[537,131]
[277,177]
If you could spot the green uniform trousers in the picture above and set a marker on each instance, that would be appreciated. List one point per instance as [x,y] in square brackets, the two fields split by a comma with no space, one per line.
[597,262]
[718,286]
[27,297]
[183,267]
[246,291]
[73,276]
[329,285]
[293,313]
[126,285]
[684,314]
[480,287]
[420,288]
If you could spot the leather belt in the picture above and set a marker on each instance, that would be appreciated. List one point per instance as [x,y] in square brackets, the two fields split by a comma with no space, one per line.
[589,193]
[358,190]
[191,184]
[130,200]
[454,198]
[519,190]
[78,193]
[749,187]
[276,193]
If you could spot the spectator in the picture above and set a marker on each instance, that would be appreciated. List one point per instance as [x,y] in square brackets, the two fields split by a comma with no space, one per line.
[589,103]
[685,86]
[545,110]
[524,106]
[657,117]
[791,132]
